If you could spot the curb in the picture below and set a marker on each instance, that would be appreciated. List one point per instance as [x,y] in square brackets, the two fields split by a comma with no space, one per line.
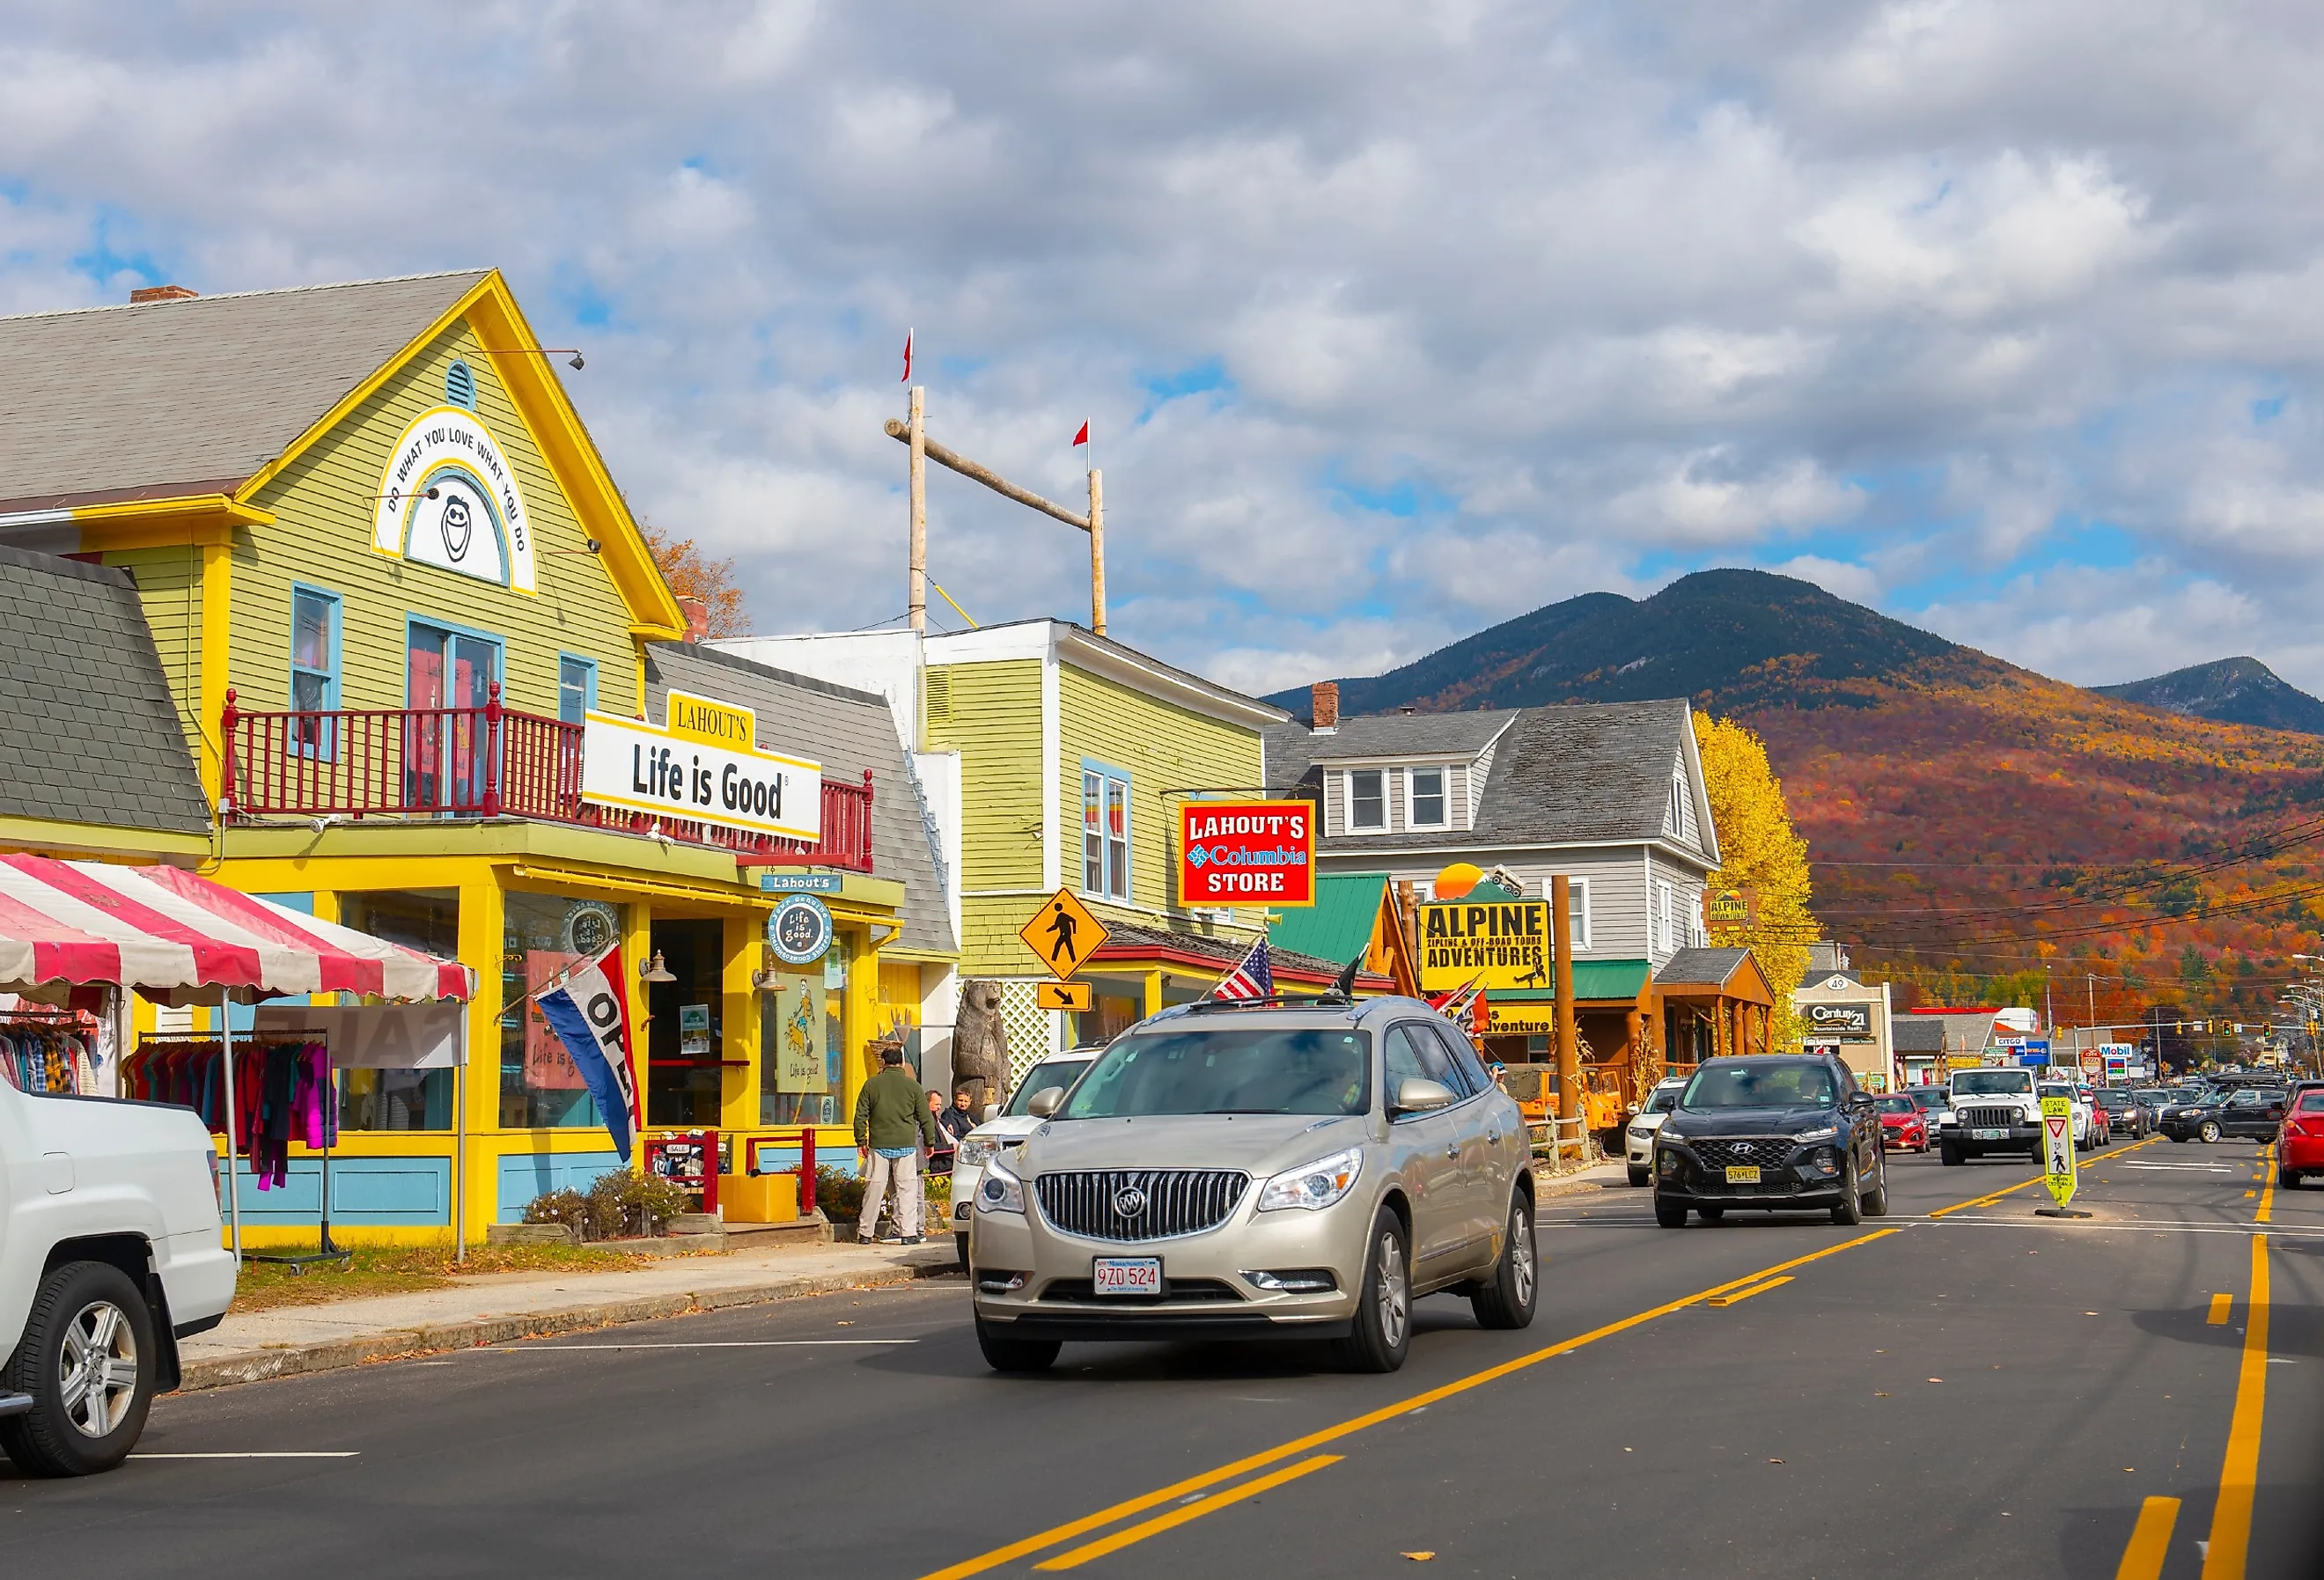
[1576,1185]
[259,1365]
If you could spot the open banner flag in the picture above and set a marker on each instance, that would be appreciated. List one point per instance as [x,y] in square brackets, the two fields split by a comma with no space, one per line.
[586,1008]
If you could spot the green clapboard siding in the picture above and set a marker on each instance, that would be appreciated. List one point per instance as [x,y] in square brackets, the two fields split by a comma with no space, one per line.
[1168,752]
[991,714]
[321,537]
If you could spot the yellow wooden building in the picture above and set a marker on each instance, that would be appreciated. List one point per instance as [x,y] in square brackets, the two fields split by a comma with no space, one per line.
[389,578]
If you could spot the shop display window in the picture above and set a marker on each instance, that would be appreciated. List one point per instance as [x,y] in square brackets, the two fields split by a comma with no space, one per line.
[686,1036]
[400,1100]
[542,934]
[802,1044]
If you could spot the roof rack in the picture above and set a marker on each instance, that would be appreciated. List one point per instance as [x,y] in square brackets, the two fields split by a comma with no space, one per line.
[1273,1001]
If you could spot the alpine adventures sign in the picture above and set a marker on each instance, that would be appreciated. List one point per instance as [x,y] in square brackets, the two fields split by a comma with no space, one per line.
[1505,944]
[703,766]
[1247,852]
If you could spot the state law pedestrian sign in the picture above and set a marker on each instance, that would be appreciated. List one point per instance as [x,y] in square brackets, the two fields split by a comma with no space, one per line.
[1063,933]
[2057,1162]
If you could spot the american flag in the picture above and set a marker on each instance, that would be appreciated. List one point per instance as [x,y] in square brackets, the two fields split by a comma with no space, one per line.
[1250,979]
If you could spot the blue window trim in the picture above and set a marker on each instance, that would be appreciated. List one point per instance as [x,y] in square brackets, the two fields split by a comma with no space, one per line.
[1121,776]
[325,749]
[588,689]
[454,628]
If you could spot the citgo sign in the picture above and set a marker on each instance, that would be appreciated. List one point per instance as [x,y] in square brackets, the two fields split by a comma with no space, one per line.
[1247,852]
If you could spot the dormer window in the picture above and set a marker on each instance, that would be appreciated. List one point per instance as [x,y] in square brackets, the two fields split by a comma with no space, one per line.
[1425,789]
[1367,800]
[1675,820]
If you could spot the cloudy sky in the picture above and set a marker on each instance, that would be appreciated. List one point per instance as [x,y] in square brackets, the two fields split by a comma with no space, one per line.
[1393,320]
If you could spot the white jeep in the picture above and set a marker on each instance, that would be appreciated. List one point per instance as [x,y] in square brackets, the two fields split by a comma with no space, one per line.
[1996,1109]
[109,1254]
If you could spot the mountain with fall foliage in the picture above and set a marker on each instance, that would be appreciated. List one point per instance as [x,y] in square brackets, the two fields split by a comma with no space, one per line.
[1968,821]
[2233,691]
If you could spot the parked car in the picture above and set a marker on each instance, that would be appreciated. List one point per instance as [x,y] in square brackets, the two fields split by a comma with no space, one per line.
[109,1255]
[1638,1137]
[1904,1122]
[1782,1132]
[1235,1170]
[2254,1111]
[2193,1117]
[1994,1110]
[2124,1111]
[1005,1129]
[2300,1149]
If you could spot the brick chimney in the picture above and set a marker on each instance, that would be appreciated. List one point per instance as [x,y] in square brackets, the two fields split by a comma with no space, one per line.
[698,617]
[145,293]
[1324,695]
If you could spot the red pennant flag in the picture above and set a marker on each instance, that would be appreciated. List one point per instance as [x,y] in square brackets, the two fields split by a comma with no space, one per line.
[1082,438]
[907,358]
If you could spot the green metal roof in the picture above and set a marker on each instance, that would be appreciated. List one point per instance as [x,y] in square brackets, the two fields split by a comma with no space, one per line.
[1339,925]
[1592,979]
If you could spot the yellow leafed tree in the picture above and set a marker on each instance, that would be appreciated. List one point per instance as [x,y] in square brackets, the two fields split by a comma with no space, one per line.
[1762,852]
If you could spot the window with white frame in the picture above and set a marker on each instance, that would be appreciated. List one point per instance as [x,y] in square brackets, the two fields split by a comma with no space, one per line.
[1105,831]
[1367,800]
[1577,909]
[1674,821]
[1666,916]
[1698,936]
[1425,798]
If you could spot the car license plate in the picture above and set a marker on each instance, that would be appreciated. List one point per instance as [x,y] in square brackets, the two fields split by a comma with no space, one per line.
[1991,1135]
[1742,1174]
[1128,1275]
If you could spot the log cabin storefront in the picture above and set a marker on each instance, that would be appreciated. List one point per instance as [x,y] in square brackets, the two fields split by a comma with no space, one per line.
[436,690]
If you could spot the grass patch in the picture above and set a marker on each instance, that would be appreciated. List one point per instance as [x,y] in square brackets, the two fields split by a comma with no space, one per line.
[398,1270]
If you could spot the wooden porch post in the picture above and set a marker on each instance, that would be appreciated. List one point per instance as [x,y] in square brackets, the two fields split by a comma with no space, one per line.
[1569,1051]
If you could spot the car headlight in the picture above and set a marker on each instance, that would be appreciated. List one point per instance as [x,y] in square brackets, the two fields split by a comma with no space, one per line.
[1641,1132]
[1317,1185]
[1000,1191]
[976,1151]
[1825,1134]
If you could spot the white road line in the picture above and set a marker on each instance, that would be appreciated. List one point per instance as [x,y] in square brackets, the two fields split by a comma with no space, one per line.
[761,1344]
[2200,1167]
[2142,1226]
[317,1453]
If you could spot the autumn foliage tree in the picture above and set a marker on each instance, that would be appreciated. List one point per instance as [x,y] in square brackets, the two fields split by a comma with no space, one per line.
[1761,852]
[700,580]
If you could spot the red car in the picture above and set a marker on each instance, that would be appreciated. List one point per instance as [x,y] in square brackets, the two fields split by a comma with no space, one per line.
[1903,1123]
[2300,1151]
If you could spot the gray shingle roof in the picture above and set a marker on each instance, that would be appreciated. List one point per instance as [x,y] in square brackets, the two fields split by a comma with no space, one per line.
[194,395]
[847,731]
[1388,735]
[1713,966]
[1918,1033]
[1928,1033]
[1574,773]
[89,732]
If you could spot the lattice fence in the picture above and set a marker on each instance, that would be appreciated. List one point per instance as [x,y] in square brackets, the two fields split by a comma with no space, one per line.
[1028,1027]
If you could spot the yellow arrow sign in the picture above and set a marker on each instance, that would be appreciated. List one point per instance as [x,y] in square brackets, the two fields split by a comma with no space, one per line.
[1063,996]
[1063,933]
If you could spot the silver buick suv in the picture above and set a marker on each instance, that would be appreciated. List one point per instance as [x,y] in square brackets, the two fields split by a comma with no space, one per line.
[1276,1169]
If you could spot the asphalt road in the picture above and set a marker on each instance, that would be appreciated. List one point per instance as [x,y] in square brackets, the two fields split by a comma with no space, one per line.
[1961,1388]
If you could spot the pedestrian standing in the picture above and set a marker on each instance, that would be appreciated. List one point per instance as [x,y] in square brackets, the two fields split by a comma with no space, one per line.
[959,1119]
[891,1123]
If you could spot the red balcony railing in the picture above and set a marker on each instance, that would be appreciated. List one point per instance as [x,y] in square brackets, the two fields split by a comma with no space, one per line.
[488,761]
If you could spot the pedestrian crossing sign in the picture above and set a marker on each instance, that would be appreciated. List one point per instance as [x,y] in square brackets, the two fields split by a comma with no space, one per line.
[1063,933]
[2059,1165]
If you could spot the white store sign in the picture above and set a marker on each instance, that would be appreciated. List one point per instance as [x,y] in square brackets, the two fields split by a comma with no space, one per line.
[704,767]
[449,498]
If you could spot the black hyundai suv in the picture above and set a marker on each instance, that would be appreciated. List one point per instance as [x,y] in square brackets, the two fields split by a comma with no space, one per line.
[1783,1133]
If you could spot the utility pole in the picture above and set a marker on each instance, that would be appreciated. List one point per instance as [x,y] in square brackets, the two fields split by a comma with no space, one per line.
[914,434]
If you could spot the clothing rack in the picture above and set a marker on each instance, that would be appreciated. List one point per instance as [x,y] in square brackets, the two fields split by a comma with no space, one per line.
[77,1020]
[275,1037]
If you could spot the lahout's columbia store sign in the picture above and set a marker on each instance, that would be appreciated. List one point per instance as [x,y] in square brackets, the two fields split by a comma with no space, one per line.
[703,765]
[1239,852]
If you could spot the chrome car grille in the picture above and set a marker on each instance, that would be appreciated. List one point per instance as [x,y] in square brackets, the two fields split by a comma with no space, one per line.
[1140,1204]
[1728,1151]
[1989,1118]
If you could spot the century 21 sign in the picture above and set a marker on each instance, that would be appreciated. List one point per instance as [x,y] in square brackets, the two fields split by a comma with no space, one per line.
[1247,852]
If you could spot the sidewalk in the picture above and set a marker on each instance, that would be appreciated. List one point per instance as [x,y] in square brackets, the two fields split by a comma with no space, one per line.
[1598,1177]
[492,1309]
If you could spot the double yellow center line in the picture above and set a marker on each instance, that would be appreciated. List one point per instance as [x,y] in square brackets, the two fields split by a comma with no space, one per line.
[1057,1536]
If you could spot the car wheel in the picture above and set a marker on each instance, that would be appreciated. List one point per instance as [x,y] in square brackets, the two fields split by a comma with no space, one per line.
[2289,1179]
[1004,1353]
[1383,1328]
[1850,1212]
[1507,1300]
[1669,1213]
[88,1359]
[1640,1177]
[2211,1131]
[1948,1155]
[960,1245]
[1876,1200]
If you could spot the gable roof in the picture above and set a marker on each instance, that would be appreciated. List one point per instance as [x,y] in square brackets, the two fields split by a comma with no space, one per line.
[89,732]
[1943,1030]
[847,732]
[1572,773]
[1396,735]
[166,399]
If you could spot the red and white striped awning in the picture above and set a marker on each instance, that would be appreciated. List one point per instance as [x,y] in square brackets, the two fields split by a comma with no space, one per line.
[172,935]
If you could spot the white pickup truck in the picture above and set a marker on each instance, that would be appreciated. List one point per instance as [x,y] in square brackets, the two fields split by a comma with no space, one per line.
[1994,1110]
[109,1254]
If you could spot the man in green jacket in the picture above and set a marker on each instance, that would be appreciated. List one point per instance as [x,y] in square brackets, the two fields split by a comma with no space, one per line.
[891,1121]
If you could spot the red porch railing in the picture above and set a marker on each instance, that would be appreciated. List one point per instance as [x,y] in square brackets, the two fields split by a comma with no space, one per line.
[488,761]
